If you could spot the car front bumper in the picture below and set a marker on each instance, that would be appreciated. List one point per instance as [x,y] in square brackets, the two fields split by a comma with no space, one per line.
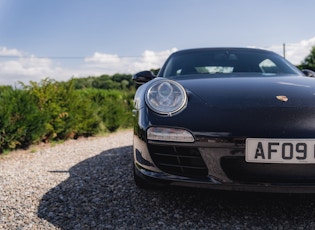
[217,163]
[161,179]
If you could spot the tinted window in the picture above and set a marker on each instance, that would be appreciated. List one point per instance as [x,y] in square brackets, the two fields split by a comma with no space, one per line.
[227,62]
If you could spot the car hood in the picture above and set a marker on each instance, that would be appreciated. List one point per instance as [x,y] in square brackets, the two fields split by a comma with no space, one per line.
[247,107]
[253,91]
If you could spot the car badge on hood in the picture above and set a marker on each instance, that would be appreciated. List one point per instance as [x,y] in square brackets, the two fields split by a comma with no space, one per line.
[282,98]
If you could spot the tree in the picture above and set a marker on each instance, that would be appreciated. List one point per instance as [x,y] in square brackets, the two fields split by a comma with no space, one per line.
[309,61]
[155,71]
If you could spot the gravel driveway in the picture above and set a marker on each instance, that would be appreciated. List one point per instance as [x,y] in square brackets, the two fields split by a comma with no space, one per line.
[87,184]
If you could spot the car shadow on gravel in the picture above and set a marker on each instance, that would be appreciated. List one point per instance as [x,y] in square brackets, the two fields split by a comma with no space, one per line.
[100,194]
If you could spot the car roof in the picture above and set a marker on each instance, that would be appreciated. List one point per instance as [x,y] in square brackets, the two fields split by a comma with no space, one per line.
[193,50]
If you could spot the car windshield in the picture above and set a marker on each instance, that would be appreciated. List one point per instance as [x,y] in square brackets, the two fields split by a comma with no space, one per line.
[226,61]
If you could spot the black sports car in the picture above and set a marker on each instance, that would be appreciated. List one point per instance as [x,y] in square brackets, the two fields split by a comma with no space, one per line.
[226,118]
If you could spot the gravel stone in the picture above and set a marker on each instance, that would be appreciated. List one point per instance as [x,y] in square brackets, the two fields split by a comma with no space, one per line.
[88,184]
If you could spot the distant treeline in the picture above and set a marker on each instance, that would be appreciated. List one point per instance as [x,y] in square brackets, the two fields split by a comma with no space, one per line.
[116,81]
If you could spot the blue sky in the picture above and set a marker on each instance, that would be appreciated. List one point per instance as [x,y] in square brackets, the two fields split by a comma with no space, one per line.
[61,39]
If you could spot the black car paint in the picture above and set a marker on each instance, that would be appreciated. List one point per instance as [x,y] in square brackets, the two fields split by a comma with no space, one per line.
[238,106]
[247,98]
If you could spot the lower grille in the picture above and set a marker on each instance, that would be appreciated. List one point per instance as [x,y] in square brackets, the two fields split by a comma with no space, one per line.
[240,171]
[182,161]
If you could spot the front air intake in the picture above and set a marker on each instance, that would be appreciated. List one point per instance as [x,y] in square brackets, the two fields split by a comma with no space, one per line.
[181,161]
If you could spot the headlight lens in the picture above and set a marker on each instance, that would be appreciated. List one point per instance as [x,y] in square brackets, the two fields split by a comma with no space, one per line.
[166,97]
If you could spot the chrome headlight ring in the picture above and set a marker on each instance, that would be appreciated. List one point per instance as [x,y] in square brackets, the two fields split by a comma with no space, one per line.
[166,97]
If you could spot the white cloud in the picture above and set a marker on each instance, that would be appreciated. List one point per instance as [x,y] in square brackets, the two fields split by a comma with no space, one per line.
[4,51]
[295,52]
[17,65]
[103,58]
[151,60]
[112,63]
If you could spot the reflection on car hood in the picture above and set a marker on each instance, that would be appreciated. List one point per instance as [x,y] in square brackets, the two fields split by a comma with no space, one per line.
[252,91]
[246,107]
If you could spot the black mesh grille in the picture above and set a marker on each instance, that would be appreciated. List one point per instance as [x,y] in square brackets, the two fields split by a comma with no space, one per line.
[238,170]
[180,161]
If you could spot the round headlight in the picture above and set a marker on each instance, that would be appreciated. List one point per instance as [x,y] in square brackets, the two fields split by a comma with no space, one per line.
[166,97]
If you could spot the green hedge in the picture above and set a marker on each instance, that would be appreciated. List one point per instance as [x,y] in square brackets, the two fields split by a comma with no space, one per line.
[53,111]
[21,121]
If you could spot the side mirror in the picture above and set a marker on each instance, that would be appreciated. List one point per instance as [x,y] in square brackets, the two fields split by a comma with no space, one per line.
[308,73]
[143,77]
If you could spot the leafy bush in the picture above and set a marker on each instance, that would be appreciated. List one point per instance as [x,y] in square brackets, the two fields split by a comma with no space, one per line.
[68,114]
[21,121]
[113,107]
[50,111]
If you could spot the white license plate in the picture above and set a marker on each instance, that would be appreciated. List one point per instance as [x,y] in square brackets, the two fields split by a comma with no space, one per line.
[292,151]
